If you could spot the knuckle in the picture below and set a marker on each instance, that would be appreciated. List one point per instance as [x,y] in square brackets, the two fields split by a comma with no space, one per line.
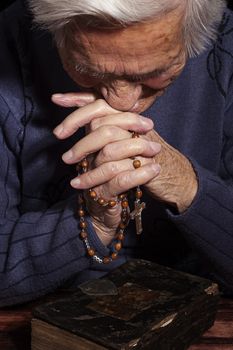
[90,178]
[112,168]
[94,124]
[109,131]
[139,145]
[123,181]
[106,153]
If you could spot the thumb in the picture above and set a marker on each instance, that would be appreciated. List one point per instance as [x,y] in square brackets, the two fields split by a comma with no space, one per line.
[73,99]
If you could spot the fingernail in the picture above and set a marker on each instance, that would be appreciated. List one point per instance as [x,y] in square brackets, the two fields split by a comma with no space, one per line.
[75,183]
[58,95]
[67,156]
[58,130]
[146,122]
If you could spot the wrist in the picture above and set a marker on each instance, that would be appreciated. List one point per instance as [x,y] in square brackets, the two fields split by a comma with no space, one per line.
[188,192]
[104,233]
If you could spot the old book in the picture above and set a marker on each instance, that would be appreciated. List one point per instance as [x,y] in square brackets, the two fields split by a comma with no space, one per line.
[140,305]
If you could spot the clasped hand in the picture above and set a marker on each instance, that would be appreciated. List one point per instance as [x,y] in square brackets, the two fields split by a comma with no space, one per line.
[166,174]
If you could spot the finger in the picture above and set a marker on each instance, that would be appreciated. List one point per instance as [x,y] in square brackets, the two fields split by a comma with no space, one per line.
[101,174]
[104,173]
[73,99]
[93,142]
[128,180]
[125,120]
[81,117]
[127,148]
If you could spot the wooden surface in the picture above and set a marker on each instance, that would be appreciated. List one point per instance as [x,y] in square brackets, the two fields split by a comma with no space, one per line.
[15,329]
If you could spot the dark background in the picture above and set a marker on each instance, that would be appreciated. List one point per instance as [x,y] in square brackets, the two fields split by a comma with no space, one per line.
[5,3]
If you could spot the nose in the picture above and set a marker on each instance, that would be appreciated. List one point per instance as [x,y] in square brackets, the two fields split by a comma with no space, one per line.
[121,94]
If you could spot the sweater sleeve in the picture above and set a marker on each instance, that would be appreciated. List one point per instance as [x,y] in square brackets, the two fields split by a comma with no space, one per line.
[208,223]
[39,250]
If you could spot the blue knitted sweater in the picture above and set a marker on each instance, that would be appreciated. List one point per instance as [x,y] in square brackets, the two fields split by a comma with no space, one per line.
[39,245]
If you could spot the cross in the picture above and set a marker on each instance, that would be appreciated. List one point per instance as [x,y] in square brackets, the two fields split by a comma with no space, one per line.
[136,215]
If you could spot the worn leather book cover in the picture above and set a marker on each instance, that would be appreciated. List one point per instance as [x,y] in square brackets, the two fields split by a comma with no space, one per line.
[140,305]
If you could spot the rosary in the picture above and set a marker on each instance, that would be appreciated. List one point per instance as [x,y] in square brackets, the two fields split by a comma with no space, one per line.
[126,215]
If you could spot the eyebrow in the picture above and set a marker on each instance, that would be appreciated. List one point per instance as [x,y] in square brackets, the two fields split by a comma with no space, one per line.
[131,77]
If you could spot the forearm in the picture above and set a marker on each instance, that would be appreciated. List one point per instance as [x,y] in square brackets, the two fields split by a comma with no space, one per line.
[39,251]
[207,224]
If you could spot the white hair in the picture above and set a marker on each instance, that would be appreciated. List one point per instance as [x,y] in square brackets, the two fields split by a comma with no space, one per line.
[201,17]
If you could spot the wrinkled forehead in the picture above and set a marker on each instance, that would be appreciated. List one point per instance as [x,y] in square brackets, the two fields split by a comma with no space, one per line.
[162,30]
[136,45]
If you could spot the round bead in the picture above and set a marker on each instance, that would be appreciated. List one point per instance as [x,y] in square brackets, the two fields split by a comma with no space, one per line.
[114,256]
[118,246]
[83,234]
[138,194]
[135,135]
[106,260]
[83,224]
[81,212]
[136,163]
[124,204]
[84,163]
[101,201]
[122,196]
[120,236]
[112,203]
[92,194]
[90,252]
[122,225]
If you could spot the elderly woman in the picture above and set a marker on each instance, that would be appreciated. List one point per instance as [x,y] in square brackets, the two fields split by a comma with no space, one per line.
[150,87]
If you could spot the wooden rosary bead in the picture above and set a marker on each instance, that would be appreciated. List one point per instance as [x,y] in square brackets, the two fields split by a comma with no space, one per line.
[84,163]
[120,236]
[92,194]
[114,256]
[83,234]
[90,252]
[135,135]
[101,201]
[122,225]
[112,203]
[136,163]
[118,246]
[83,224]
[138,194]
[106,260]
[125,204]
[81,212]
[122,196]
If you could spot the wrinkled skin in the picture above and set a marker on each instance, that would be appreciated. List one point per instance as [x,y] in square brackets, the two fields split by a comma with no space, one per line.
[125,71]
